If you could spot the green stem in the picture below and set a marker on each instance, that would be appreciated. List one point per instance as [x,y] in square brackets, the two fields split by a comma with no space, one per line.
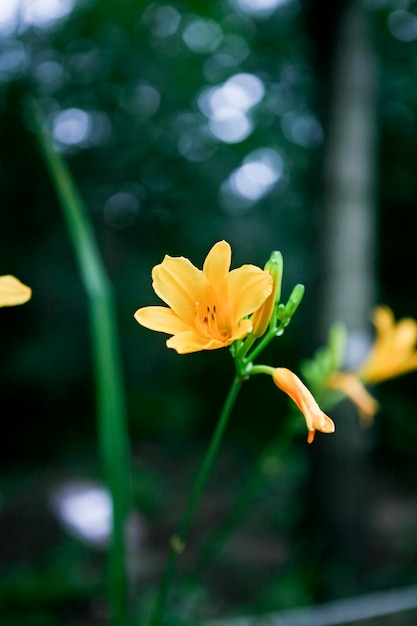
[245,347]
[111,408]
[177,543]
[262,369]
[274,332]
[266,469]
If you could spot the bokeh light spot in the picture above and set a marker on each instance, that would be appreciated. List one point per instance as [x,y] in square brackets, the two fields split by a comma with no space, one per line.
[71,126]
[21,14]
[403,25]
[250,182]
[13,60]
[85,62]
[9,16]
[259,8]
[233,51]
[77,128]
[121,210]
[302,129]
[162,21]
[50,73]
[143,100]
[85,511]
[43,13]
[244,90]
[202,36]
[230,125]
[194,142]
[226,106]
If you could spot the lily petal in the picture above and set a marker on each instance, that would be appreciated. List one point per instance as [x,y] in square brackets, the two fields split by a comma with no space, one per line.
[185,342]
[178,283]
[249,287]
[406,335]
[191,341]
[13,292]
[352,387]
[162,319]
[217,263]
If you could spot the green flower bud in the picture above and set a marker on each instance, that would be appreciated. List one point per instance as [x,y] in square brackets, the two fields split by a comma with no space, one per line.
[285,313]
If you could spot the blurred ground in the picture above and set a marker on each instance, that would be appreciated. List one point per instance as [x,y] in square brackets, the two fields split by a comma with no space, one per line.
[50,574]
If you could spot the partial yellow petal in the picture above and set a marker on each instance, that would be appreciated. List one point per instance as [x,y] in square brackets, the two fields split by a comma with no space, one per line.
[216,272]
[180,285]
[162,319]
[242,330]
[315,418]
[352,387]
[406,334]
[262,316]
[217,263]
[249,287]
[13,292]
[394,351]
[407,366]
[383,319]
[192,341]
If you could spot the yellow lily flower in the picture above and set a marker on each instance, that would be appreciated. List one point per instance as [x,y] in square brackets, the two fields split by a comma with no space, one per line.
[207,309]
[393,353]
[315,418]
[13,292]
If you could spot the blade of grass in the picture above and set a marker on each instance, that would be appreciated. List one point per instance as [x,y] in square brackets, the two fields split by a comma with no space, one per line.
[111,403]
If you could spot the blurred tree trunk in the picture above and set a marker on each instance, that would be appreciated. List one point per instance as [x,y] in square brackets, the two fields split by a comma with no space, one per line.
[347,284]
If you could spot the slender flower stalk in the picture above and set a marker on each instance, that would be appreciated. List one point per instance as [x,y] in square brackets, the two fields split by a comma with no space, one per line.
[214,308]
[266,469]
[112,426]
[177,543]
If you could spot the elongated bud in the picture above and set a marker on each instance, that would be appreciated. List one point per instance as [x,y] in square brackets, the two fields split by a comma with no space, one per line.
[285,312]
[295,299]
[290,384]
[266,313]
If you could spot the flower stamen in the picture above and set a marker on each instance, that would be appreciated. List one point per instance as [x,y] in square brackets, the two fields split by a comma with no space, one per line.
[207,323]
